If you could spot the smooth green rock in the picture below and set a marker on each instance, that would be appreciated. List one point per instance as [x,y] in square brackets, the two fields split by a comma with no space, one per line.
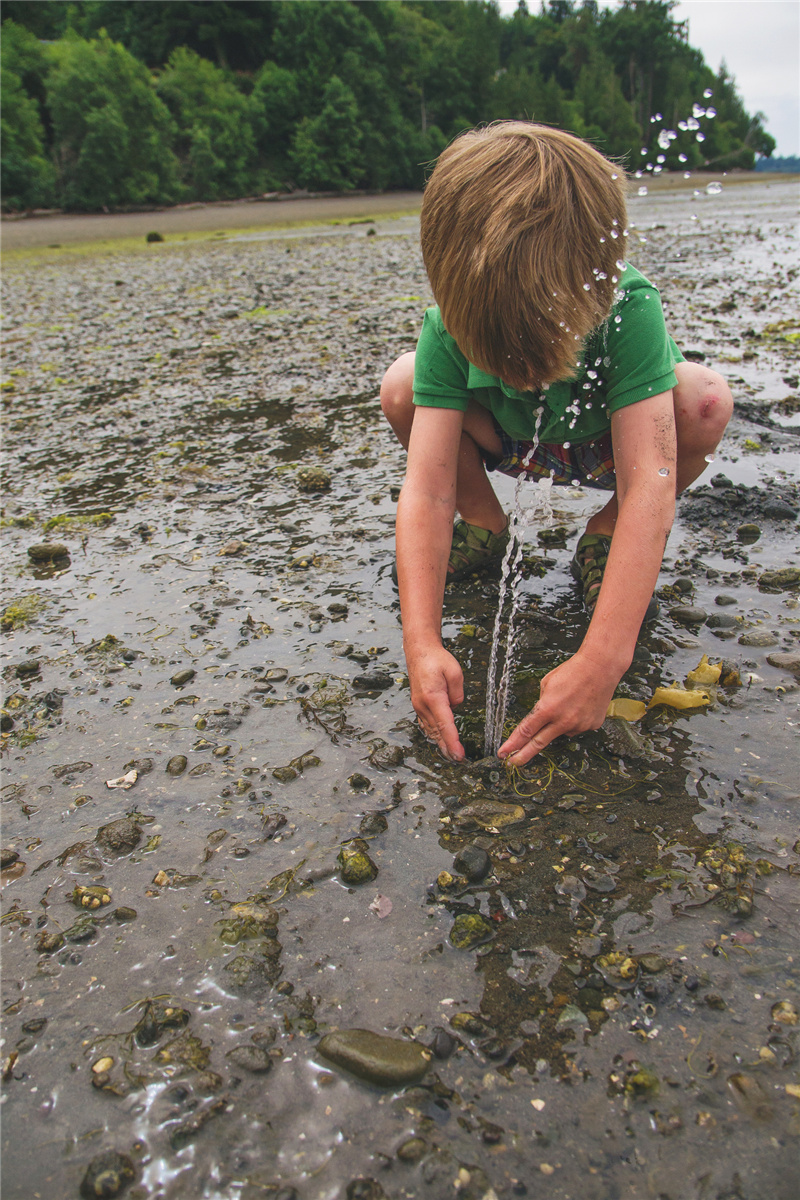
[376,1057]
[470,929]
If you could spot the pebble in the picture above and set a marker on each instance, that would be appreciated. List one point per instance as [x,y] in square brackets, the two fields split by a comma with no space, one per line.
[29,666]
[313,479]
[7,857]
[759,637]
[177,765]
[489,814]
[412,1150]
[255,1059]
[748,533]
[722,621]
[376,1057]
[355,864]
[688,614]
[184,676]
[470,930]
[107,1175]
[780,581]
[571,1017]
[119,837]
[48,552]
[373,681]
[788,660]
[724,600]
[474,862]
[779,510]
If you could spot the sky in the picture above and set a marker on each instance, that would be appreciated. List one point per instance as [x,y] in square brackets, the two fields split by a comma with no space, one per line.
[760,43]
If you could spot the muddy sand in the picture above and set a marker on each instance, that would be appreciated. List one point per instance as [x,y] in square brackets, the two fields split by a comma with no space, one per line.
[226,847]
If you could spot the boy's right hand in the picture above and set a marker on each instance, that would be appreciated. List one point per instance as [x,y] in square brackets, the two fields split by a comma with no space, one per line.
[437,687]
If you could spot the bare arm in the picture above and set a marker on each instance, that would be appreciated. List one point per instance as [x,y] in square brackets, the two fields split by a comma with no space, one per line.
[575,696]
[424,534]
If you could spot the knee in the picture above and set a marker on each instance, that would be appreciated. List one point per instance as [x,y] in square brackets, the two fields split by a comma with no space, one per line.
[703,403]
[397,388]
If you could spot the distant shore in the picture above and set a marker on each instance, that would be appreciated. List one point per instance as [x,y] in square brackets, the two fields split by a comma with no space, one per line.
[59,229]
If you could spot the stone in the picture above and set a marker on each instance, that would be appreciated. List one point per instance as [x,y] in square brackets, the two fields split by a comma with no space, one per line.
[722,621]
[255,1059]
[376,1057]
[474,862]
[176,765]
[724,600]
[182,677]
[759,637]
[780,581]
[688,614]
[489,815]
[470,930]
[313,479]
[748,533]
[355,864]
[786,660]
[373,681]
[119,837]
[107,1175]
[47,552]
[779,510]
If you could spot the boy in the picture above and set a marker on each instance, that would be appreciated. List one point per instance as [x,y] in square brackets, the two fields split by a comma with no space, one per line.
[542,334]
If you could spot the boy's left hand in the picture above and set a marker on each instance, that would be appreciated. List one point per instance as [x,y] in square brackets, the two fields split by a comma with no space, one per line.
[573,697]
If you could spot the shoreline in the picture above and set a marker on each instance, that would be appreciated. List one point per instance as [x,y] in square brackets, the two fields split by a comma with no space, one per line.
[54,230]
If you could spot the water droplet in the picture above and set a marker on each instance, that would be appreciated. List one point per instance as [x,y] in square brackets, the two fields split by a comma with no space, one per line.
[711,112]
[681,158]
[663,470]
[602,240]
[615,176]
[592,375]
[698,110]
[687,174]
[682,126]
[643,150]
[707,94]
[711,458]
[692,123]
[638,175]
[587,287]
[664,140]
[657,170]
[693,217]
[713,189]
[642,191]
[566,445]
[614,234]
[700,137]
[617,319]
[619,264]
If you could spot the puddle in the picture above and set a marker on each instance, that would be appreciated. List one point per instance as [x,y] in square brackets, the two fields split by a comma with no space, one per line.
[626,1023]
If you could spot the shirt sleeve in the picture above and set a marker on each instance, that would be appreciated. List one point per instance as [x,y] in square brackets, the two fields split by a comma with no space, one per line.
[642,355]
[440,369]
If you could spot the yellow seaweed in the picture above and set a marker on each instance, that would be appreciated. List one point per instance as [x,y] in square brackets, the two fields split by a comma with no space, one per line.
[628,710]
[675,697]
[705,672]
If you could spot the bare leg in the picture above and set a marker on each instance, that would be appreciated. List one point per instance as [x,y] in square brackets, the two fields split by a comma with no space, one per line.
[475,498]
[703,407]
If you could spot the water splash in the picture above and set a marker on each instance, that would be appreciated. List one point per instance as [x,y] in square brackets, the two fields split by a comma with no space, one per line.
[509,599]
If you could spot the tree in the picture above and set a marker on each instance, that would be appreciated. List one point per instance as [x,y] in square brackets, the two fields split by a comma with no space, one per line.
[326,148]
[215,142]
[111,132]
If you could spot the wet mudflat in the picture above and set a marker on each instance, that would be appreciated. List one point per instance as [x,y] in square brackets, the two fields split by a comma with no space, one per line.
[225,845]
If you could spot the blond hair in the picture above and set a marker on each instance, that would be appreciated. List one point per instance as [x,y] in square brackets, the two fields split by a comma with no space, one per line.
[523,227]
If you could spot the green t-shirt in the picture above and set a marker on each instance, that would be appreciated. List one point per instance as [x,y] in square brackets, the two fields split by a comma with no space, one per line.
[627,358]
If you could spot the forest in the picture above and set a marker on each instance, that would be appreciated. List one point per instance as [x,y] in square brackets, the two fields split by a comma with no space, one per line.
[117,104]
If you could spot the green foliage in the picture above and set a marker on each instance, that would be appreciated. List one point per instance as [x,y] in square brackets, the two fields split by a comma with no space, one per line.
[26,175]
[111,133]
[215,143]
[338,94]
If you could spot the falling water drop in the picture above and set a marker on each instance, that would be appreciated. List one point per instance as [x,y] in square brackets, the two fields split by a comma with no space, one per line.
[711,112]
[642,191]
[707,94]
[711,457]
[700,137]
[663,470]
[713,189]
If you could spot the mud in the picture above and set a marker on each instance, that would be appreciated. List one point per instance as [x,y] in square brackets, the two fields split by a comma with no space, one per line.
[206,717]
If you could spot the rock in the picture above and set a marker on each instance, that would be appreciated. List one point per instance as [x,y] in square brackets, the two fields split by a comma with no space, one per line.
[443,1044]
[571,1017]
[176,765]
[359,782]
[255,1059]
[470,930]
[376,1057]
[489,815]
[7,857]
[153,236]
[119,837]
[688,614]
[373,681]
[182,677]
[355,864]
[47,552]
[107,1175]
[722,621]
[748,533]
[412,1150]
[787,660]
[759,637]
[363,1188]
[776,508]
[284,774]
[780,581]
[474,862]
[122,915]
[313,479]
[276,674]
[48,943]
[372,824]
[724,600]
[29,666]
[83,930]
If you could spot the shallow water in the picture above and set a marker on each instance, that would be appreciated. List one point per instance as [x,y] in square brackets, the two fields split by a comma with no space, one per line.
[180,390]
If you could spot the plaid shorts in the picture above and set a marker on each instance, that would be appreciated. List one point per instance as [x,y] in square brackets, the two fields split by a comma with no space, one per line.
[590,463]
